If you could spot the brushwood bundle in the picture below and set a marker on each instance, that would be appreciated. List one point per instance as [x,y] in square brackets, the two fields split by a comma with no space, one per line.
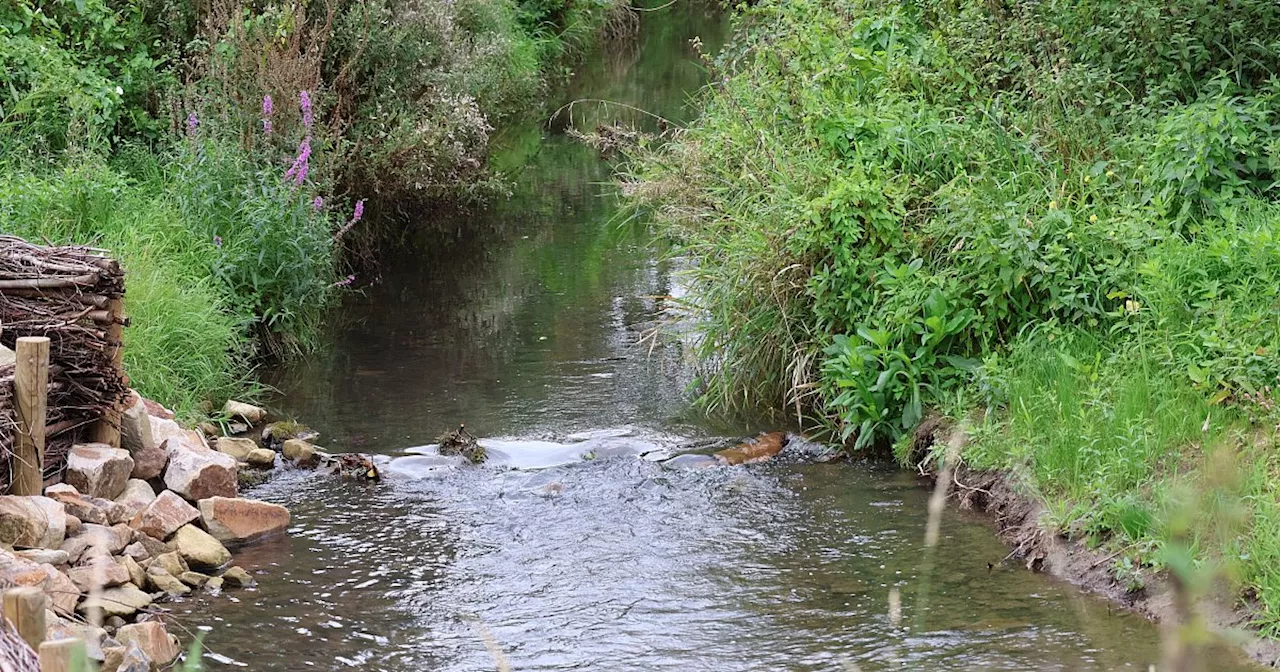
[72,296]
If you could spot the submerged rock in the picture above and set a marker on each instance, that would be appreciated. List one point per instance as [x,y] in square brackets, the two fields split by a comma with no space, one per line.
[691,461]
[461,442]
[758,449]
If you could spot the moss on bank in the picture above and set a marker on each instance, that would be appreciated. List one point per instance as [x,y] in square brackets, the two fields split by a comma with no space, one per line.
[1054,221]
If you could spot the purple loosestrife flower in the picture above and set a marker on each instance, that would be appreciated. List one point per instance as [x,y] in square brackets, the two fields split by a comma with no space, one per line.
[193,122]
[305,99]
[298,171]
[318,204]
[344,282]
[355,217]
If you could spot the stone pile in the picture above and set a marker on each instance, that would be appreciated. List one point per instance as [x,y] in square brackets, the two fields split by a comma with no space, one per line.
[131,526]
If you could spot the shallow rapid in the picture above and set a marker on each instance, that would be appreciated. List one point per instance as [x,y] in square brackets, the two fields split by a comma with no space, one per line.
[576,548]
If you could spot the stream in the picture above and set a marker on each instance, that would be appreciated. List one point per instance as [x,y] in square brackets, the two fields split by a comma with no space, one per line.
[522,319]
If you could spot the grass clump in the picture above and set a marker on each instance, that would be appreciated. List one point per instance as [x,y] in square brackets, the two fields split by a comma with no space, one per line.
[1058,215]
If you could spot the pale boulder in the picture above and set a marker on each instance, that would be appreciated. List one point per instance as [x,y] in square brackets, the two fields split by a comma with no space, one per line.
[61,628]
[299,451]
[164,516]
[199,549]
[161,580]
[153,639]
[261,458]
[62,591]
[136,436]
[101,571]
[237,448]
[247,412]
[31,522]
[199,473]
[237,521]
[136,496]
[98,470]
[121,601]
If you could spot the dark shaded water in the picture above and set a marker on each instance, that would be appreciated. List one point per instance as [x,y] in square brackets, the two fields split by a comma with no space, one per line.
[529,329]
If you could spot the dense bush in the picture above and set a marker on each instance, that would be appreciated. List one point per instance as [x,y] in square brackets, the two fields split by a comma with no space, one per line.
[1053,221]
[218,146]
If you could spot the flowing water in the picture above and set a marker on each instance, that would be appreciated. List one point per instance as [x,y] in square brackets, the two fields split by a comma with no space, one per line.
[524,325]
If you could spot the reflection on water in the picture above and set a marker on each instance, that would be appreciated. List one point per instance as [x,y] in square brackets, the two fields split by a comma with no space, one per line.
[529,330]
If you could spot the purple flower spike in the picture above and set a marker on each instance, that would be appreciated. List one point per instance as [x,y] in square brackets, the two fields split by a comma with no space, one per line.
[298,171]
[266,126]
[193,122]
[305,99]
[318,204]
[267,106]
[359,211]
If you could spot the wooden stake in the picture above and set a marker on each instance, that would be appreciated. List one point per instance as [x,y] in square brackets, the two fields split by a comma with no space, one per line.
[107,430]
[63,655]
[24,608]
[31,388]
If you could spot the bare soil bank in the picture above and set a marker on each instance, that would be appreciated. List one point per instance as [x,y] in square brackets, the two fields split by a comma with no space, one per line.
[1017,515]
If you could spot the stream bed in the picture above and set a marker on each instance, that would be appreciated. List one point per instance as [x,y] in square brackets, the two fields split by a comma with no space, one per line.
[524,324]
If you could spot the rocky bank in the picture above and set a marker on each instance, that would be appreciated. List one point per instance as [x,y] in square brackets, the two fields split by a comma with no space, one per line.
[131,527]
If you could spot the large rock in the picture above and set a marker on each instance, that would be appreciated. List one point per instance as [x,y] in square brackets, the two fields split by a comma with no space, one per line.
[261,458]
[236,521]
[237,577]
[153,639]
[160,579]
[137,575]
[100,572]
[61,628]
[199,549]
[299,451]
[136,496]
[237,448]
[62,591]
[31,522]
[164,516]
[120,601]
[137,437]
[108,540]
[56,557]
[154,409]
[200,473]
[16,571]
[135,660]
[247,412]
[170,562]
[88,509]
[98,470]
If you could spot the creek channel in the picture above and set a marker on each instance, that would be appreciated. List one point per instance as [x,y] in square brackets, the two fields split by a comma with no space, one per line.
[522,319]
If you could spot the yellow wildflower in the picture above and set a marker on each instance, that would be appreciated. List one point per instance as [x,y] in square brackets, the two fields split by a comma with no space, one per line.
[1053,205]
[1093,218]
